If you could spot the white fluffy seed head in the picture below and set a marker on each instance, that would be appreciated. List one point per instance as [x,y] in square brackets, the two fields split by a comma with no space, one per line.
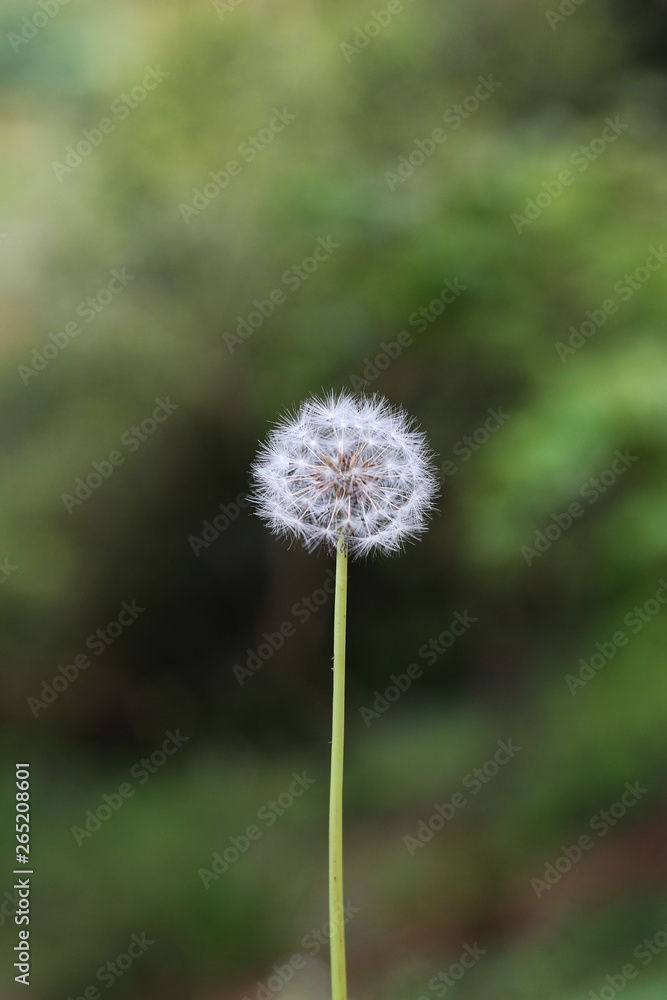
[346,465]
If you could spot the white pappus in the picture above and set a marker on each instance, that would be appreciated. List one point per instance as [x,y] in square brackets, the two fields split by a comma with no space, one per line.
[346,465]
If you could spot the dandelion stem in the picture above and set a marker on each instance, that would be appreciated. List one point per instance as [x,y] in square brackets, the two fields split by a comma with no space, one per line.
[336,901]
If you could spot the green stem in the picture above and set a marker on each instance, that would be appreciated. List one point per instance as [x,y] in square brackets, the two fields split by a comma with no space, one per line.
[336,901]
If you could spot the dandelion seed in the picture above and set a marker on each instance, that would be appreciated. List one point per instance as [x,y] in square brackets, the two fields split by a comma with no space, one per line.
[350,466]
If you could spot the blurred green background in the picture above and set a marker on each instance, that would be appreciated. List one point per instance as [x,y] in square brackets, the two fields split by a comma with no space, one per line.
[130,275]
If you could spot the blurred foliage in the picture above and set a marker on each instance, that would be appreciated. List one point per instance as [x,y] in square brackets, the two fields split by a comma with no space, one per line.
[166,335]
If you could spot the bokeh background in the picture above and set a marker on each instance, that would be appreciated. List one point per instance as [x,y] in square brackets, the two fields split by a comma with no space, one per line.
[481,210]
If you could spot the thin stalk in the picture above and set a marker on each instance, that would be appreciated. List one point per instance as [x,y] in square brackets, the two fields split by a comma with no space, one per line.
[336,901]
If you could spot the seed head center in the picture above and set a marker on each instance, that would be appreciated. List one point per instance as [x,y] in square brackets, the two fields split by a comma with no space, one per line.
[348,474]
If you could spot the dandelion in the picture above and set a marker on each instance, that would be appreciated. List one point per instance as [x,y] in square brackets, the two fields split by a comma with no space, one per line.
[350,474]
[350,467]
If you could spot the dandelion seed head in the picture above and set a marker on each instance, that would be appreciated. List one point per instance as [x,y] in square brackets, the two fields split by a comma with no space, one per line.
[346,465]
